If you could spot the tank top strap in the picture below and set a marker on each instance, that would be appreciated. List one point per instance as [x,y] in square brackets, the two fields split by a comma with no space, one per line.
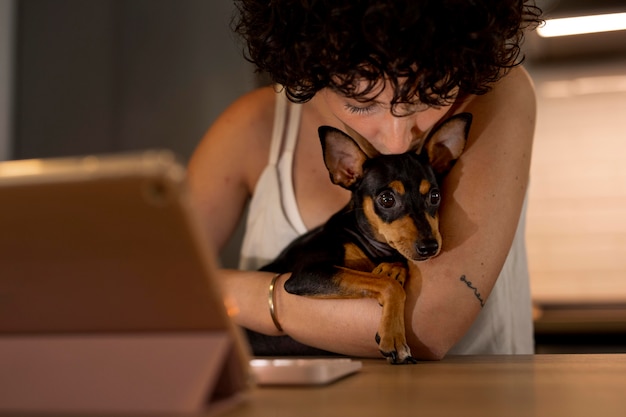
[278,130]
[293,127]
[285,166]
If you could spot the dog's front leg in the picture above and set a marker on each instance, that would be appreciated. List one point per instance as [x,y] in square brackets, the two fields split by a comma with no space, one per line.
[395,270]
[348,283]
[397,334]
[391,336]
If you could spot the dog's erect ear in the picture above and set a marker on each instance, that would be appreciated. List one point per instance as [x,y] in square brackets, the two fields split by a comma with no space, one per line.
[342,156]
[446,143]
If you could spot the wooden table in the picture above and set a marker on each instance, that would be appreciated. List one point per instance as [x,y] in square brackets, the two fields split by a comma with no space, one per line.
[482,386]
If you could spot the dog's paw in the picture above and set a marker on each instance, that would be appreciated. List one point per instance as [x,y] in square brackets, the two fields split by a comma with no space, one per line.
[396,355]
[394,270]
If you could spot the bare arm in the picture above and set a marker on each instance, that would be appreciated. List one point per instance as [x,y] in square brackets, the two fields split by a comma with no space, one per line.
[483,198]
[223,170]
[222,174]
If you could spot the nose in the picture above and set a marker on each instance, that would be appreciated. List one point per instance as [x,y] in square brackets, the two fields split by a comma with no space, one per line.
[427,248]
[398,136]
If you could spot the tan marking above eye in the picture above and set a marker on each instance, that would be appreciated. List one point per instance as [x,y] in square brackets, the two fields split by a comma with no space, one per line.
[398,187]
[424,186]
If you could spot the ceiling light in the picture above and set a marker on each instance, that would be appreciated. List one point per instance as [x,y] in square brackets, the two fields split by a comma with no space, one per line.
[583,24]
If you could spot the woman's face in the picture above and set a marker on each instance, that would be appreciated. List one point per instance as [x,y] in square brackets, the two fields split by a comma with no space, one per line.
[374,122]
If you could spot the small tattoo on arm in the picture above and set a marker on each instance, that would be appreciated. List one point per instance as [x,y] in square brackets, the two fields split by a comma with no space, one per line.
[476,293]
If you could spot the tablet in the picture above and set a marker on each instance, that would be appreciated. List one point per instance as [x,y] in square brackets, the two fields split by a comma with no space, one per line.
[108,295]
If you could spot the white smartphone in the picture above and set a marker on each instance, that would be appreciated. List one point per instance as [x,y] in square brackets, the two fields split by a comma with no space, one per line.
[302,371]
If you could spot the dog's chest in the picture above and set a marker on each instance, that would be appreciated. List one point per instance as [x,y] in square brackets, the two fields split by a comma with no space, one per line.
[355,258]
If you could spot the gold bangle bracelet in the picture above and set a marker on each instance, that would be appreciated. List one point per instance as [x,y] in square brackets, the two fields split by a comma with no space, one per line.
[272,304]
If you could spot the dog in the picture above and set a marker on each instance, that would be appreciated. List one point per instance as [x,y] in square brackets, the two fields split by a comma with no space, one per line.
[391,219]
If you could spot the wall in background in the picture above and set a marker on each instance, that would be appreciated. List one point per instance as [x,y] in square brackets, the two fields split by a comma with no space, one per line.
[116,75]
[6,75]
[576,225]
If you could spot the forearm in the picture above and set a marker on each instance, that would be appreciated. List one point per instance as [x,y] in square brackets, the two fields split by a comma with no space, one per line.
[343,326]
[483,200]
[246,294]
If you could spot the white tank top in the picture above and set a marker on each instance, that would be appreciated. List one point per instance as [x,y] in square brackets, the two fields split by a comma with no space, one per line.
[504,326]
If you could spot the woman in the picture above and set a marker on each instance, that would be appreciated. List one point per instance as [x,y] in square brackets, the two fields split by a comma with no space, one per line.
[386,73]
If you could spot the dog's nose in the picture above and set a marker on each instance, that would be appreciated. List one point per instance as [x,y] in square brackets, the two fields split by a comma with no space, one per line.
[427,247]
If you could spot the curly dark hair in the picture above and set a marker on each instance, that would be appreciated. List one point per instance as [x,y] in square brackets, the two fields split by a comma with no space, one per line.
[424,48]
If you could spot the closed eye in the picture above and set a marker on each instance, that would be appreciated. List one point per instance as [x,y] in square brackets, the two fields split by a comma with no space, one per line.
[365,109]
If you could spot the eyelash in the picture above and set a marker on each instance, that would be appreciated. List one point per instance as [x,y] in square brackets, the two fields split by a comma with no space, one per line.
[359,110]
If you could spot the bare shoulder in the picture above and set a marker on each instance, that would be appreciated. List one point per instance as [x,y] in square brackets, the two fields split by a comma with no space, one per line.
[503,123]
[509,107]
[241,133]
[226,164]
[500,140]
[247,121]
[250,112]
[515,88]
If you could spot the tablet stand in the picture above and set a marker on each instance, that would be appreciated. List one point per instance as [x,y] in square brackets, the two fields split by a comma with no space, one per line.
[143,373]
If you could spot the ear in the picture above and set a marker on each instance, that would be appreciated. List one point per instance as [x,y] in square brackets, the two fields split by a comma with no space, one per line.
[342,156]
[446,143]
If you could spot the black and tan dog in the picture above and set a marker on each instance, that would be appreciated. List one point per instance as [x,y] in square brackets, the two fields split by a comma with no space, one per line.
[392,217]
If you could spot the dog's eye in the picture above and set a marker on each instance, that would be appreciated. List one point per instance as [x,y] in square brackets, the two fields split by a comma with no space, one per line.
[434,197]
[386,199]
